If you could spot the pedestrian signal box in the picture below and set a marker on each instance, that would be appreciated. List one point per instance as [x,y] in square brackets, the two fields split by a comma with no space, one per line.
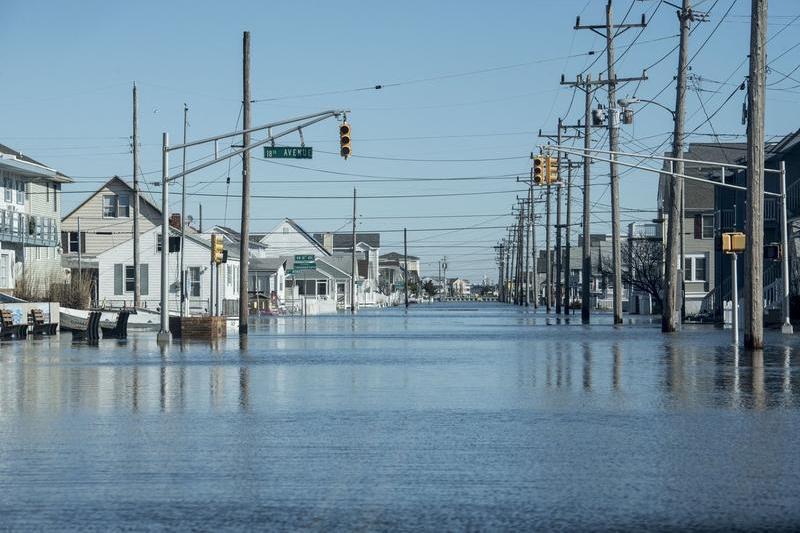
[733,243]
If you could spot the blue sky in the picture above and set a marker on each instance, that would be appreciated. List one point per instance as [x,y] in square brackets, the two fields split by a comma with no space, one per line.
[475,81]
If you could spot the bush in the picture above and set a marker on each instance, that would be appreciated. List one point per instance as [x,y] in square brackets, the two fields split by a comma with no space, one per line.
[75,292]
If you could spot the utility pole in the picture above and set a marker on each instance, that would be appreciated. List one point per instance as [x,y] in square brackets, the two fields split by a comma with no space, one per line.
[609,31]
[183,211]
[513,277]
[353,296]
[521,254]
[754,224]
[534,260]
[559,138]
[244,245]
[405,260]
[548,289]
[137,289]
[567,229]
[586,252]
[500,258]
[507,278]
[528,250]
[670,318]
[558,247]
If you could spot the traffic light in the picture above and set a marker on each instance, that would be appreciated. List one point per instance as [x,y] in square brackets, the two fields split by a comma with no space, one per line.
[772,252]
[539,170]
[552,169]
[344,140]
[217,248]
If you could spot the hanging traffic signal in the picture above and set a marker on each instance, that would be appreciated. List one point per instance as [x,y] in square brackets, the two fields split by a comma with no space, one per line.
[539,170]
[344,140]
[552,169]
[217,248]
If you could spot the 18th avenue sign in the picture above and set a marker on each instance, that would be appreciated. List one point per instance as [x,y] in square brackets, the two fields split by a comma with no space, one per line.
[287,152]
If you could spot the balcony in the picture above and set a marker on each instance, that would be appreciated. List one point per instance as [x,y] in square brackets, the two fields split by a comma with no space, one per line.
[28,230]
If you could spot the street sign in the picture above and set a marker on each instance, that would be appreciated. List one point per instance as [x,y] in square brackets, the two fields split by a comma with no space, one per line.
[287,152]
[304,262]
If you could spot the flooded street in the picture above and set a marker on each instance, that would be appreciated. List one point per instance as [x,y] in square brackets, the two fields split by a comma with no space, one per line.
[454,416]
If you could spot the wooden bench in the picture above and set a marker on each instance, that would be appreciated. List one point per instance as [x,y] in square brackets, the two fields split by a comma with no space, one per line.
[92,331]
[120,330]
[7,327]
[38,326]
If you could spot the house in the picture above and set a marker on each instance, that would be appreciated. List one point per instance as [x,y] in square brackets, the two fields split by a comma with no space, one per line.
[115,279]
[323,289]
[699,215]
[267,283]
[103,221]
[392,270]
[731,213]
[460,287]
[30,203]
[368,246]
[289,239]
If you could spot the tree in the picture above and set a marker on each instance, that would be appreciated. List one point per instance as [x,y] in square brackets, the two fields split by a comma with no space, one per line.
[643,261]
[429,288]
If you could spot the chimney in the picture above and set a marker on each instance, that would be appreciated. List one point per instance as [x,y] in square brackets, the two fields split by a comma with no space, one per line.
[175,220]
[327,242]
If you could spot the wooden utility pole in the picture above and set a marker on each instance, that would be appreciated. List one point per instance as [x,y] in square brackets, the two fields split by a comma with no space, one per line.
[521,254]
[670,317]
[353,296]
[528,250]
[610,31]
[548,289]
[558,248]
[534,260]
[137,289]
[405,260]
[183,212]
[586,252]
[244,245]
[567,229]
[754,223]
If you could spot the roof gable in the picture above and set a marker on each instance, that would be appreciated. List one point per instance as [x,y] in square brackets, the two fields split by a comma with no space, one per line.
[115,181]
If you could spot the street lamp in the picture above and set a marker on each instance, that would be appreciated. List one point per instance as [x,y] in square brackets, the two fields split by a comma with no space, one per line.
[625,103]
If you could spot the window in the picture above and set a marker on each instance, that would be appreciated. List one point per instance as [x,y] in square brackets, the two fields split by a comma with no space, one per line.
[116,205]
[20,192]
[130,275]
[8,189]
[158,242]
[74,243]
[695,267]
[708,226]
[194,282]
[322,288]
[5,271]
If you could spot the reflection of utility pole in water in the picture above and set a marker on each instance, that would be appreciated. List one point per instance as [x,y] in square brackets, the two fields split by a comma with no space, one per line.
[244,388]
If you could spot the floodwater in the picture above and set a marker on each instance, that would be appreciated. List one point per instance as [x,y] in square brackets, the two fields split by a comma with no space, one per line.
[449,417]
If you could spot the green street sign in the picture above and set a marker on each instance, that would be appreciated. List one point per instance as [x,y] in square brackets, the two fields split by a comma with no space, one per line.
[304,266]
[287,152]
[304,259]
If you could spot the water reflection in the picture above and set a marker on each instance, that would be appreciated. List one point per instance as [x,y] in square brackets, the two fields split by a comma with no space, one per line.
[361,361]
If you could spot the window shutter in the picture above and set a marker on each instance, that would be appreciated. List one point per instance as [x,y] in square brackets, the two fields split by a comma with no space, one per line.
[144,280]
[64,242]
[118,281]
[83,242]
[698,226]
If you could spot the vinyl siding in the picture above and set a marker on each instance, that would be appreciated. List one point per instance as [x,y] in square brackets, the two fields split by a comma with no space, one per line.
[196,255]
[104,233]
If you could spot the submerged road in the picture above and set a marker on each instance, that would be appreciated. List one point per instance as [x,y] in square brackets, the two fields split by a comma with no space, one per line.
[449,416]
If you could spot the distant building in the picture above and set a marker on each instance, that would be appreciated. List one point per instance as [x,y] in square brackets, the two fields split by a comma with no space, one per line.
[460,287]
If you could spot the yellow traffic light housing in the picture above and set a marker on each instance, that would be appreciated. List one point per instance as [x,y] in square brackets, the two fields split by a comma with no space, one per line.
[552,169]
[539,170]
[217,248]
[344,140]
[733,243]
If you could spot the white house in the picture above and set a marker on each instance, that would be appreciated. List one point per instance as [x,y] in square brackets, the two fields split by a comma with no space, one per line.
[289,239]
[267,284]
[115,281]
[30,203]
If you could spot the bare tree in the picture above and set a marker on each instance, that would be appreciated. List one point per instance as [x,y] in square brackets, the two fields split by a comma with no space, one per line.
[643,261]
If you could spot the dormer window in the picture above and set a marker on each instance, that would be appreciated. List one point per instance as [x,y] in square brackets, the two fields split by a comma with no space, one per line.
[116,206]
